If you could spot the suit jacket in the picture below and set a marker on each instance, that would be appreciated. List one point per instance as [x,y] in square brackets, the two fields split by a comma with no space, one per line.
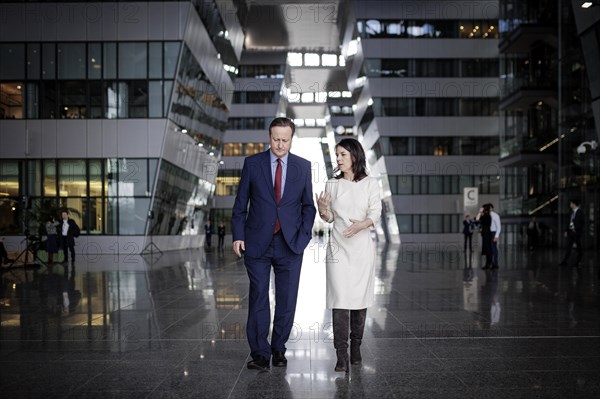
[72,232]
[255,210]
[577,222]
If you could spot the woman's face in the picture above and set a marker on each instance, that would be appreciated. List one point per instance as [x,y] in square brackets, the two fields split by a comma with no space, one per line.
[343,159]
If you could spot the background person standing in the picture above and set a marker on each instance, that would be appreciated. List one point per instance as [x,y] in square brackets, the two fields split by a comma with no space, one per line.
[69,231]
[221,234]
[208,230]
[51,238]
[468,228]
[574,232]
[533,233]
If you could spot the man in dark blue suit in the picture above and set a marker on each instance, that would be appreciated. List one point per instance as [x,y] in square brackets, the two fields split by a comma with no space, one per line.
[272,221]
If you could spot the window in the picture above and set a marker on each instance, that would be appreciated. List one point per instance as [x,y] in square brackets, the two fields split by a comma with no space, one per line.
[72,180]
[227,182]
[12,61]
[11,100]
[72,99]
[94,61]
[429,223]
[33,61]
[441,184]
[133,60]
[71,60]
[171,51]
[9,179]
[435,28]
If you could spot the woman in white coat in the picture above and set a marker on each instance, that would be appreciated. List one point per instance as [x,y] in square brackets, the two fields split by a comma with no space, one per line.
[352,202]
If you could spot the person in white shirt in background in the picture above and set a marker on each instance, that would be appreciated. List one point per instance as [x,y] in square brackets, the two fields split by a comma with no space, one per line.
[495,229]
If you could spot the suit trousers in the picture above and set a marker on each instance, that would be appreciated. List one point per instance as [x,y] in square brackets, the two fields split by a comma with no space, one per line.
[66,248]
[573,239]
[286,269]
[494,249]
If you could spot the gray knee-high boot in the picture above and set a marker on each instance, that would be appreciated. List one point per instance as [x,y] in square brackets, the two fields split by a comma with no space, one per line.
[341,321]
[357,327]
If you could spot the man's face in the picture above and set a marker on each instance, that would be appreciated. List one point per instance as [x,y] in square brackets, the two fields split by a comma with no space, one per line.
[572,205]
[280,140]
[65,216]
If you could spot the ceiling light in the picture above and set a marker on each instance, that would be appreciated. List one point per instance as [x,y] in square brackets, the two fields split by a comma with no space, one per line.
[587,4]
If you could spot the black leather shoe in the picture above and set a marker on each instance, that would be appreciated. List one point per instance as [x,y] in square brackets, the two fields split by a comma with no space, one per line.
[259,363]
[279,359]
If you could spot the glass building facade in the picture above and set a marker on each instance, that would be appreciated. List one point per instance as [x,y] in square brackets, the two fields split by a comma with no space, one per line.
[149,108]
[545,113]
[408,71]
[123,130]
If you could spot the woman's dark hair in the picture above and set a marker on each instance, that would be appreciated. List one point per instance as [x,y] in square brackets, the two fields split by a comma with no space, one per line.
[283,122]
[359,160]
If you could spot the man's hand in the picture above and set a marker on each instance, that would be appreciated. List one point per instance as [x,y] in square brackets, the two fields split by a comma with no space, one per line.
[495,239]
[239,246]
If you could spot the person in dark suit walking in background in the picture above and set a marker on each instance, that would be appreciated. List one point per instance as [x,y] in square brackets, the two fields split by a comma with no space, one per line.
[273,231]
[221,234]
[468,229]
[69,231]
[574,232]
[208,230]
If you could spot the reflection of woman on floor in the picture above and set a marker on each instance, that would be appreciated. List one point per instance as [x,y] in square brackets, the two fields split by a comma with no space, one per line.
[352,202]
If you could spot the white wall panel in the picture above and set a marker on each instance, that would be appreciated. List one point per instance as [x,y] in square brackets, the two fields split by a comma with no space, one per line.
[71,138]
[132,138]
[133,21]
[109,21]
[71,21]
[49,138]
[94,138]
[33,135]
[49,17]
[438,126]
[155,20]
[431,48]
[156,135]
[12,138]
[93,16]
[109,139]
[434,87]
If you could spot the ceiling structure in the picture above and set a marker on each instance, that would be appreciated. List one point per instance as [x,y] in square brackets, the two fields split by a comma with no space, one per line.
[302,27]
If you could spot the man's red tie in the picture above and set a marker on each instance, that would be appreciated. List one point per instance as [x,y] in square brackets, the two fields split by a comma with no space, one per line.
[277,193]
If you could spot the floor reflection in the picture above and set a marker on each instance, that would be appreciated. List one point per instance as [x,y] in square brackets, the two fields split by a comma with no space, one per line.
[154,326]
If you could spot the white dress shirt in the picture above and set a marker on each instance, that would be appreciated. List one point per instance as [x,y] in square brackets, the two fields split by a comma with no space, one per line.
[496,225]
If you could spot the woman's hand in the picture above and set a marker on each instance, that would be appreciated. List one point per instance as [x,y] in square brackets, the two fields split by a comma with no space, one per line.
[323,201]
[357,226]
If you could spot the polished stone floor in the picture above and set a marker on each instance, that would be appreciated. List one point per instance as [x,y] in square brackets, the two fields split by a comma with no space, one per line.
[172,327]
